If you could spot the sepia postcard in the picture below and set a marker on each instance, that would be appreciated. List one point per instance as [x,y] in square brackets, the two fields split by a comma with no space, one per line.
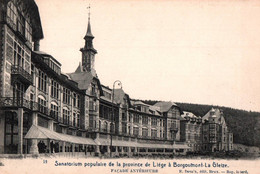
[127,86]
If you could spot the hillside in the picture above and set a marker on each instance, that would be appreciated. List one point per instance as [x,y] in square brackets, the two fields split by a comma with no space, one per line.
[245,125]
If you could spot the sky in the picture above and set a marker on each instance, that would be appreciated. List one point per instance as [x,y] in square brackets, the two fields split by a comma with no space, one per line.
[204,52]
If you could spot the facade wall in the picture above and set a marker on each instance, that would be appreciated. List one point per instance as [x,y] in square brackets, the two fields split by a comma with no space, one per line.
[216,136]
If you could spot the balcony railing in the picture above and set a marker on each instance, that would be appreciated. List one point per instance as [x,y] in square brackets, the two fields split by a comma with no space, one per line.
[16,102]
[23,75]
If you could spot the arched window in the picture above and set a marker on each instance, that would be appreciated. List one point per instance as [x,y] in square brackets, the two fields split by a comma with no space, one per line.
[42,104]
[105,127]
[66,116]
[54,110]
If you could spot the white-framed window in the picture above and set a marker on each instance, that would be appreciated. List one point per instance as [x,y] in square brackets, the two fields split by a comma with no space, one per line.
[42,81]
[55,89]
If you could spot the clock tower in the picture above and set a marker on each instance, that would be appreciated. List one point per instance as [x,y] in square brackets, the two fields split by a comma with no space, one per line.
[88,51]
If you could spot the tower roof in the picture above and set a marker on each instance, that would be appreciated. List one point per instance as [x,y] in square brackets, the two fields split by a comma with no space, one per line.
[89,33]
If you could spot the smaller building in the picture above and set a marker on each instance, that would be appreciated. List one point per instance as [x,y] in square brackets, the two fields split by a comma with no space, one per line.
[216,136]
[190,130]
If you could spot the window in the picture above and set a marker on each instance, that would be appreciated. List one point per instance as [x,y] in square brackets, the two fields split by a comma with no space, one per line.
[66,95]
[92,106]
[129,117]
[93,90]
[74,100]
[124,128]
[54,111]
[21,24]
[92,121]
[78,118]
[136,131]
[173,124]
[42,81]
[105,127]
[18,55]
[32,72]
[154,133]
[66,116]
[74,119]
[144,109]
[78,101]
[124,117]
[145,132]
[136,118]
[55,89]
[12,12]
[154,122]
[101,111]
[28,31]
[111,127]
[145,120]
[42,105]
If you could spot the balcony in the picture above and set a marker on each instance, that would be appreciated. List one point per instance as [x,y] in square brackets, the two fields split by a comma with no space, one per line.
[18,73]
[14,102]
[55,115]
[65,121]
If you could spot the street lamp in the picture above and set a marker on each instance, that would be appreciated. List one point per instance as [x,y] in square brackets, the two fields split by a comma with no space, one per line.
[119,83]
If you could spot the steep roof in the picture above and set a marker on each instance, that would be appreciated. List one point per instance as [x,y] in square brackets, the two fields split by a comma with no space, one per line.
[165,106]
[139,103]
[89,33]
[119,95]
[33,10]
[218,117]
[83,79]
[79,68]
[155,109]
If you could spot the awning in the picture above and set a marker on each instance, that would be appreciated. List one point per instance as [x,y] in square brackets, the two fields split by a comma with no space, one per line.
[124,143]
[38,132]
[180,146]
[107,142]
[103,142]
[155,146]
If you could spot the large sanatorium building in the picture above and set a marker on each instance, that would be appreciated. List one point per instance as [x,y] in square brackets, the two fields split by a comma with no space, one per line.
[45,111]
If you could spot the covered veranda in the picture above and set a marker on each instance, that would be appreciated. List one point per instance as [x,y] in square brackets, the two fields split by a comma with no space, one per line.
[45,141]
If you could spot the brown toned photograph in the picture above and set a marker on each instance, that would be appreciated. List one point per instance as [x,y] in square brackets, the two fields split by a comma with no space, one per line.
[129,86]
